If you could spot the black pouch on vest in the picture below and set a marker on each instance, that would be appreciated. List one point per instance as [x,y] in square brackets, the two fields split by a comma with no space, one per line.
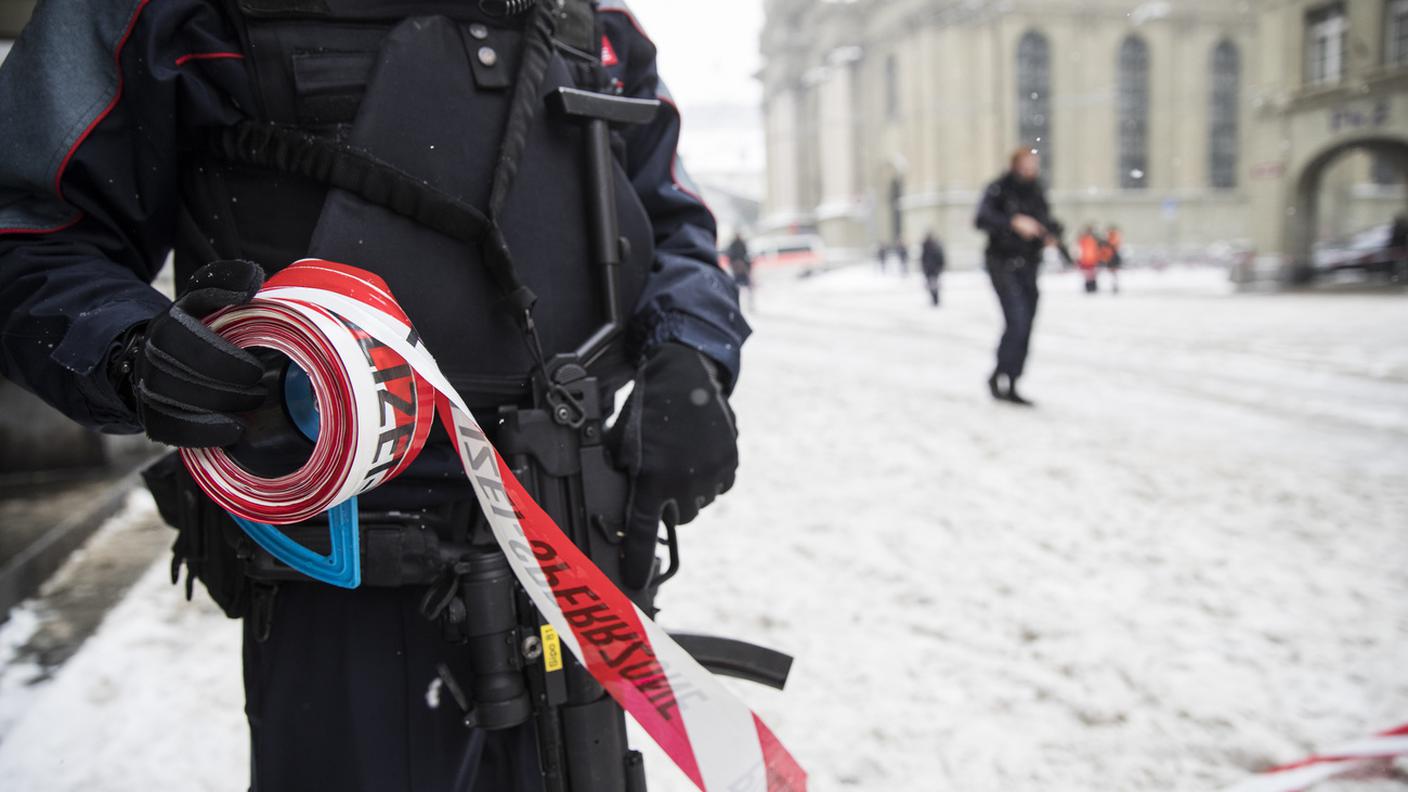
[208,543]
[429,111]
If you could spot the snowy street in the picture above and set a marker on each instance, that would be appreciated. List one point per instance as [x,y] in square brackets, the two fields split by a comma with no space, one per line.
[1189,562]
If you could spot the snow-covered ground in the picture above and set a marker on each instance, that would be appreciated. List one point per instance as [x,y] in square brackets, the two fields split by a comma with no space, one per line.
[1190,561]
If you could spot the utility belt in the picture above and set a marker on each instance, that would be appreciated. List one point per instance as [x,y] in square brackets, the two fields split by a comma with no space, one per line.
[569,468]
[398,548]
[1008,261]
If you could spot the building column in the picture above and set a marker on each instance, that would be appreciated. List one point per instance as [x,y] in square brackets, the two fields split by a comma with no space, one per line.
[838,213]
[783,151]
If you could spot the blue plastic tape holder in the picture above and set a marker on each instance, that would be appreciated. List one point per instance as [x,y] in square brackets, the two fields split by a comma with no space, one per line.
[342,566]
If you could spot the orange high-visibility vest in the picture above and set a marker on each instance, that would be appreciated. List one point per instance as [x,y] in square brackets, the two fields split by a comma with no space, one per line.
[1089,251]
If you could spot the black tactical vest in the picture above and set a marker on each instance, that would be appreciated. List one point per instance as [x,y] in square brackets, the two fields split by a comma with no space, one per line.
[424,86]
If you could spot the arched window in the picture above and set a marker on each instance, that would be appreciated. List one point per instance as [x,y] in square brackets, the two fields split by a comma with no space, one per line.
[1222,128]
[1134,113]
[1034,95]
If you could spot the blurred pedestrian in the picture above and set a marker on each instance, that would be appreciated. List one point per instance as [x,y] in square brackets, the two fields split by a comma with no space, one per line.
[1089,261]
[1019,225]
[902,256]
[740,263]
[1114,258]
[1398,248]
[931,260]
[881,256]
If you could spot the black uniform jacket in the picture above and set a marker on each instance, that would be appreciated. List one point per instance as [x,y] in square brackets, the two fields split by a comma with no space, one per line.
[1003,199]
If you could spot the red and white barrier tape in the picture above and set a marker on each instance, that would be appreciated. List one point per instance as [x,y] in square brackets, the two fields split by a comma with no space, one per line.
[1342,760]
[374,383]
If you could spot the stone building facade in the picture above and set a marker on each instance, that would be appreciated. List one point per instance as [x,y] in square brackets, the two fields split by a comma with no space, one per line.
[1185,123]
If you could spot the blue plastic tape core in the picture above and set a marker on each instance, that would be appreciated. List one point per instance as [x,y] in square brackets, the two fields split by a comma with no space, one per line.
[298,398]
[342,566]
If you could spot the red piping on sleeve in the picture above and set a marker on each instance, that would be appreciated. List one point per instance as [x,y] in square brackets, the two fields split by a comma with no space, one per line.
[674,163]
[59,177]
[184,59]
[49,230]
[675,159]
[630,17]
[117,60]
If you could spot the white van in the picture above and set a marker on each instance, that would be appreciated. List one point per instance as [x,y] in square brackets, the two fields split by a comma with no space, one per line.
[797,252]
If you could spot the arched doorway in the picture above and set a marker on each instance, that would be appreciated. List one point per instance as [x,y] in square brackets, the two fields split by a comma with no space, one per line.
[1305,217]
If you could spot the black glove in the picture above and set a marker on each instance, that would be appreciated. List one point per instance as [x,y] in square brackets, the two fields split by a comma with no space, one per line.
[678,440]
[184,381]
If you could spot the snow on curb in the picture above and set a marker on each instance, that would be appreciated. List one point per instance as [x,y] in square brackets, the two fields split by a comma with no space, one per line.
[152,701]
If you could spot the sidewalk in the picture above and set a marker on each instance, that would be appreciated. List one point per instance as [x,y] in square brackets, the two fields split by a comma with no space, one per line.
[153,699]
[45,516]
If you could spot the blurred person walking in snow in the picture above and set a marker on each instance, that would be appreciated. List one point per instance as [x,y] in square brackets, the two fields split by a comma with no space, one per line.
[1019,225]
[1089,252]
[1398,248]
[741,265]
[1112,258]
[902,256]
[931,260]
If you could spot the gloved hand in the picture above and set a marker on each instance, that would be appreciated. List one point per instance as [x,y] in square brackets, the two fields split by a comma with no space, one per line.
[678,440]
[184,381]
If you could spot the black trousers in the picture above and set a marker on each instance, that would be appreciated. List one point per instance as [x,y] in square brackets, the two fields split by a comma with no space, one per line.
[1014,280]
[343,695]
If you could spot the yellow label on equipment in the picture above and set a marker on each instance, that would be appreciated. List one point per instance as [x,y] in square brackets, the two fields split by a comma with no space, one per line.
[552,649]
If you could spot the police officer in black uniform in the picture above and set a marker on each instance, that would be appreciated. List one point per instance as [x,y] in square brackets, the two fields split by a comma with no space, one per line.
[1019,225]
[415,139]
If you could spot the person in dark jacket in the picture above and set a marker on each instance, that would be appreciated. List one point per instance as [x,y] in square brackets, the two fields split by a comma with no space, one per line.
[740,263]
[1398,233]
[112,114]
[1019,226]
[1398,248]
[1113,256]
[931,259]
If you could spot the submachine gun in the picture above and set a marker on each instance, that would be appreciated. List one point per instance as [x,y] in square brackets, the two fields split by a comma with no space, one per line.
[556,449]
[1056,237]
